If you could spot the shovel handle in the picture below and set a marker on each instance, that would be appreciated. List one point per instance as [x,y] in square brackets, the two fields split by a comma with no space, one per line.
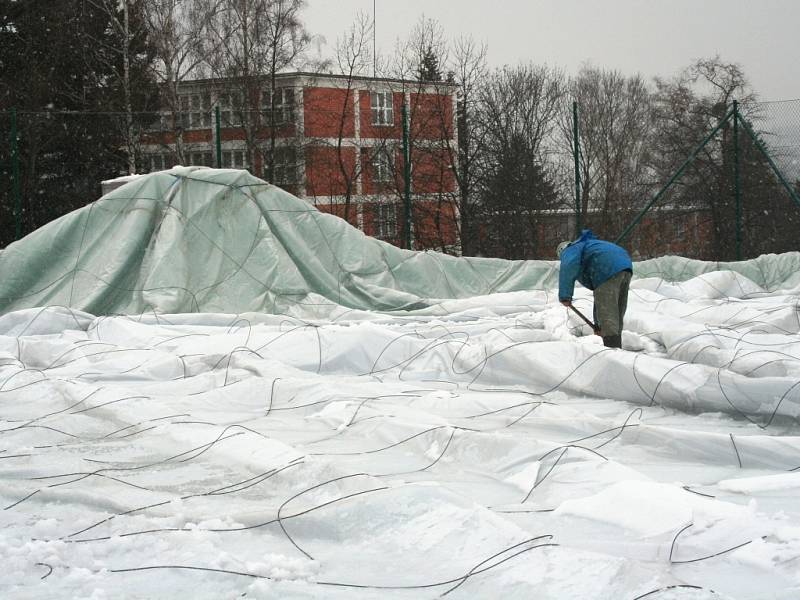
[594,327]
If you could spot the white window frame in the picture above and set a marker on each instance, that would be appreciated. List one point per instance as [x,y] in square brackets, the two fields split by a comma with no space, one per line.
[229,103]
[382,108]
[184,118]
[160,122]
[386,220]
[234,159]
[158,162]
[201,158]
[284,105]
[381,166]
[285,164]
[680,227]
[195,110]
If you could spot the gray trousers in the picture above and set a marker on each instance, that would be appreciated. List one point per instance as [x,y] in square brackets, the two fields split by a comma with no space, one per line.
[610,302]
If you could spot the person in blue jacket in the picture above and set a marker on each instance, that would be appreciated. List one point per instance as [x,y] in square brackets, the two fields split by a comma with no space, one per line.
[604,268]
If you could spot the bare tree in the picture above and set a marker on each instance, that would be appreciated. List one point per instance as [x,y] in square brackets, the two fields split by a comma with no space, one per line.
[523,100]
[615,127]
[427,51]
[353,51]
[121,46]
[519,107]
[469,73]
[418,64]
[330,117]
[726,81]
[179,31]
[257,39]
[687,108]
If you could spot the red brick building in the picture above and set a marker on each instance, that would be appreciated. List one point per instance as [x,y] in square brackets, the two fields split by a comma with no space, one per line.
[334,141]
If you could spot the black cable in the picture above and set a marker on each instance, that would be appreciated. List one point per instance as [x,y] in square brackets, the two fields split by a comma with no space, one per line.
[438,583]
[738,458]
[457,581]
[672,587]
[688,489]
[714,555]
[50,567]
[619,429]
[227,489]
[563,449]
[282,506]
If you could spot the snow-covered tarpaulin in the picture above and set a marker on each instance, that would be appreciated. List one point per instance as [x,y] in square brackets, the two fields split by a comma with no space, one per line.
[208,388]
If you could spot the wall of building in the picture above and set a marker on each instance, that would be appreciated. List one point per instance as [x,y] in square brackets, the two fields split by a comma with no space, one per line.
[323,170]
[431,116]
[335,138]
[323,112]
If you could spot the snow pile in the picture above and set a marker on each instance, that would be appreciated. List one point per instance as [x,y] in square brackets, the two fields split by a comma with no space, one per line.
[477,447]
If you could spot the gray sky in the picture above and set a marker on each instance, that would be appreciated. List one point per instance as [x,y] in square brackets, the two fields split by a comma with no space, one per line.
[651,37]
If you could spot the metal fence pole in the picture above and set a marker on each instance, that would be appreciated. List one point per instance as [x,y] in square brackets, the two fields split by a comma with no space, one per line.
[219,139]
[17,187]
[406,177]
[576,153]
[737,180]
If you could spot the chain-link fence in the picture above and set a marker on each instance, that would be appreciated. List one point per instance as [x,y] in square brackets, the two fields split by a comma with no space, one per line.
[727,192]
[710,192]
[780,126]
[52,163]
[9,176]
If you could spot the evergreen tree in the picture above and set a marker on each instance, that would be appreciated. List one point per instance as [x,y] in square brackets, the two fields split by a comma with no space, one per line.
[59,69]
[516,191]
[429,69]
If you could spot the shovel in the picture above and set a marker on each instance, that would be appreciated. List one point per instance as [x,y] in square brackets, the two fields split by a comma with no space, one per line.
[594,327]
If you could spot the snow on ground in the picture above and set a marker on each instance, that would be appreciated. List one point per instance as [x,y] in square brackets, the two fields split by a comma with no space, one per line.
[483,448]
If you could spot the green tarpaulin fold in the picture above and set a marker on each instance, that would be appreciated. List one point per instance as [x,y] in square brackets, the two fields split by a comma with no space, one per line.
[193,239]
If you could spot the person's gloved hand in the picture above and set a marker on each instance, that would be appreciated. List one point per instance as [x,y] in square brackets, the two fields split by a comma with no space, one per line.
[566,302]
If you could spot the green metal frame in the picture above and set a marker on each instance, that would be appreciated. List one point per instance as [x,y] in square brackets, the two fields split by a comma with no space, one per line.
[219,139]
[576,150]
[737,180]
[738,120]
[406,177]
[17,184]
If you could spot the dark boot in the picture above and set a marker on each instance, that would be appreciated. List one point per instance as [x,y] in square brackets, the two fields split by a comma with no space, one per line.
[612,341]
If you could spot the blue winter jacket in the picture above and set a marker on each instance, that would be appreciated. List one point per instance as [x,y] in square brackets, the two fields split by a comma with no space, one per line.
[590,261]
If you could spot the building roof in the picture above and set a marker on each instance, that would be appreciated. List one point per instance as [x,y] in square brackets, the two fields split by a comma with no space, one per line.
[309,75]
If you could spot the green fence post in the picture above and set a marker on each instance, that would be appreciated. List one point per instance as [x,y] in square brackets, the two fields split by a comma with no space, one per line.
[219,139]
[17,187]
[406,177]
[737,180]
[674,178]
[576,152]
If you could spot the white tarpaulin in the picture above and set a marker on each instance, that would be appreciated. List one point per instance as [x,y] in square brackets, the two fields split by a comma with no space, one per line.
[264,420]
